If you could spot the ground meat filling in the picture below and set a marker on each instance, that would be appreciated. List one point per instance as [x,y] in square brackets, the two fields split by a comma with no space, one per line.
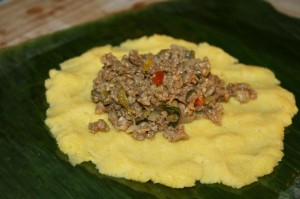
[100,125]
[146,93]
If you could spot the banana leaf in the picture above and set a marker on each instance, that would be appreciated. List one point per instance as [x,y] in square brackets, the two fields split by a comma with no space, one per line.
[31,165]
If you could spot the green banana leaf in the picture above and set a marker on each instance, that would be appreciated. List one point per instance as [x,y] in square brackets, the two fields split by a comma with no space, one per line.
[31,166]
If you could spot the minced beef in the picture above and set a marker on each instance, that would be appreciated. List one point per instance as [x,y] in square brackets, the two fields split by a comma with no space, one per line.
[99,125]
[147,93]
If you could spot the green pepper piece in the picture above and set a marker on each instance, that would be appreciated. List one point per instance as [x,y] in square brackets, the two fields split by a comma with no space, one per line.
[190,54]
[172,110]
[105,94]
[122,98]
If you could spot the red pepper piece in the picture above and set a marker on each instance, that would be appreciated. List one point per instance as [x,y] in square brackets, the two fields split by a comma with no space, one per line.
[158,78]
[199,101]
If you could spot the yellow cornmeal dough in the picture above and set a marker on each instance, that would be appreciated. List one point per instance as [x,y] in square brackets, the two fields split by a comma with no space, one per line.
[248,145]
